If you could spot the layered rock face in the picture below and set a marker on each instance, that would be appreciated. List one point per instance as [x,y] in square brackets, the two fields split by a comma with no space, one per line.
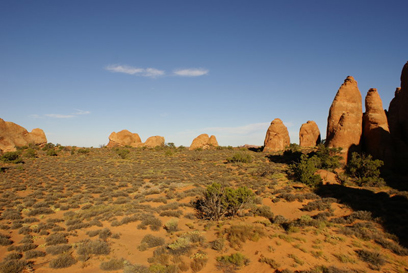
[376,133]
[124,138]
[344,124]
[309,134]
[277,137]
[203,141]
[154,141]
[13,135]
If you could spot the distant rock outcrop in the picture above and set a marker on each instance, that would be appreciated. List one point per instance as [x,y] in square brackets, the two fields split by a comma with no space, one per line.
[154,141]
[203,141]
[309,134]
[376,133]
[13,135]
[124,138]
[344,124]
[277,137]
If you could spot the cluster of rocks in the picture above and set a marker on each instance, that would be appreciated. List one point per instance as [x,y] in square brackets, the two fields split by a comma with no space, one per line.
[13,135]
[382,134]
[126,138]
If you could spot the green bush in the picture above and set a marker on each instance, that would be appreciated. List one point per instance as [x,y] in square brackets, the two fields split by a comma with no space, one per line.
[329,157]
[30,153]
[240,157]
[11,157]
[304,171]
[365,169]
[83,151]
[51,152]
[122,153]
[219,201]
[237,260]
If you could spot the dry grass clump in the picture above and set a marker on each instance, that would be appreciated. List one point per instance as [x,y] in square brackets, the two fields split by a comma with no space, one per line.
[87,248]
[113,264]
[232,262]
[62,261]
[150,221]
[374,259]
[150,241]
[5,240]
[13,266]
[239,234]
[55,239]
[58,249]
[30,254]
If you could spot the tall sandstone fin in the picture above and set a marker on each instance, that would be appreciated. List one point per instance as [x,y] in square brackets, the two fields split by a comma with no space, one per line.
[277,137]
[344,124]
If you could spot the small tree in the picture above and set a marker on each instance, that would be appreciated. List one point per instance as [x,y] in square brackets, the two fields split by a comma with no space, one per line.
[365,169]
[304,171]
[219,201]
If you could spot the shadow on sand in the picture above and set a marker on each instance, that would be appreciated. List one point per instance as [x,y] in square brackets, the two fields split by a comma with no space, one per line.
[392,210]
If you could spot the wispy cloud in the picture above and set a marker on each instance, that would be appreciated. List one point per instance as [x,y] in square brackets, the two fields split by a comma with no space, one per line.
[144,72]
[77,113]
[191,72]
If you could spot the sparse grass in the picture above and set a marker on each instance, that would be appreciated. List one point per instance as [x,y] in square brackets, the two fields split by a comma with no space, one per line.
[62,261]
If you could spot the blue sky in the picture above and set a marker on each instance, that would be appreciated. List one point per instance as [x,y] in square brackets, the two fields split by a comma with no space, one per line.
[80,70]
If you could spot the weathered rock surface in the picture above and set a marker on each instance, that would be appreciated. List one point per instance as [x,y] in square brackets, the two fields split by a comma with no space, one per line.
[376,133]
[13,135]
[154,141]
[124,138]
[203,141]
[344,124]
[398,121]
[277,137]
[309,134]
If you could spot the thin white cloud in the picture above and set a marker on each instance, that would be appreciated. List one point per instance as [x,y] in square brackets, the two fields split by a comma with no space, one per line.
[144,72]
[191,72]
[73,115]
[81,112]
[59,116]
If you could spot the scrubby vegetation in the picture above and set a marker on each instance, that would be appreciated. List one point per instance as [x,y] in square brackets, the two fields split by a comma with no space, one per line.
[169,209]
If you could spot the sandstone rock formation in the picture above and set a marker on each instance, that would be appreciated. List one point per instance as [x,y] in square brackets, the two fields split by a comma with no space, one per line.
[398,110]
[344,124]
[154,141]
[13,135]
[203,141]
[398,121]
[124,138]
[277,137]
[309,134]
[376,134]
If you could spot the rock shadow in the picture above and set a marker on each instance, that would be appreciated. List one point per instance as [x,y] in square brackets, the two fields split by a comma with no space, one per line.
[392,210]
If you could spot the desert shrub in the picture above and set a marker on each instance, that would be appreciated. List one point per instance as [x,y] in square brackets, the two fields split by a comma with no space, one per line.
[171,225]
[219,201]
[113,264]
[83,151]
[34,254]
[86,248]
[55,239]
[11,214]
[269,261]
[11,157]
[154,223]
[240,157]
[150,241]
[279,220]
[40,210]
[234,261]
[304,171]
[22,248]
[105,234]
[264,211]
[329,157]
[218,244]
[30,153]
[322,204]
[136,269]
[12,266]
[180,246]
[199,260]
[13,256]
[374,259]
[5,240]
[51,152]
[62,261]
[57,249]
[365,170]
[172,213]
[25,230]
[122,153]
[239,234]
